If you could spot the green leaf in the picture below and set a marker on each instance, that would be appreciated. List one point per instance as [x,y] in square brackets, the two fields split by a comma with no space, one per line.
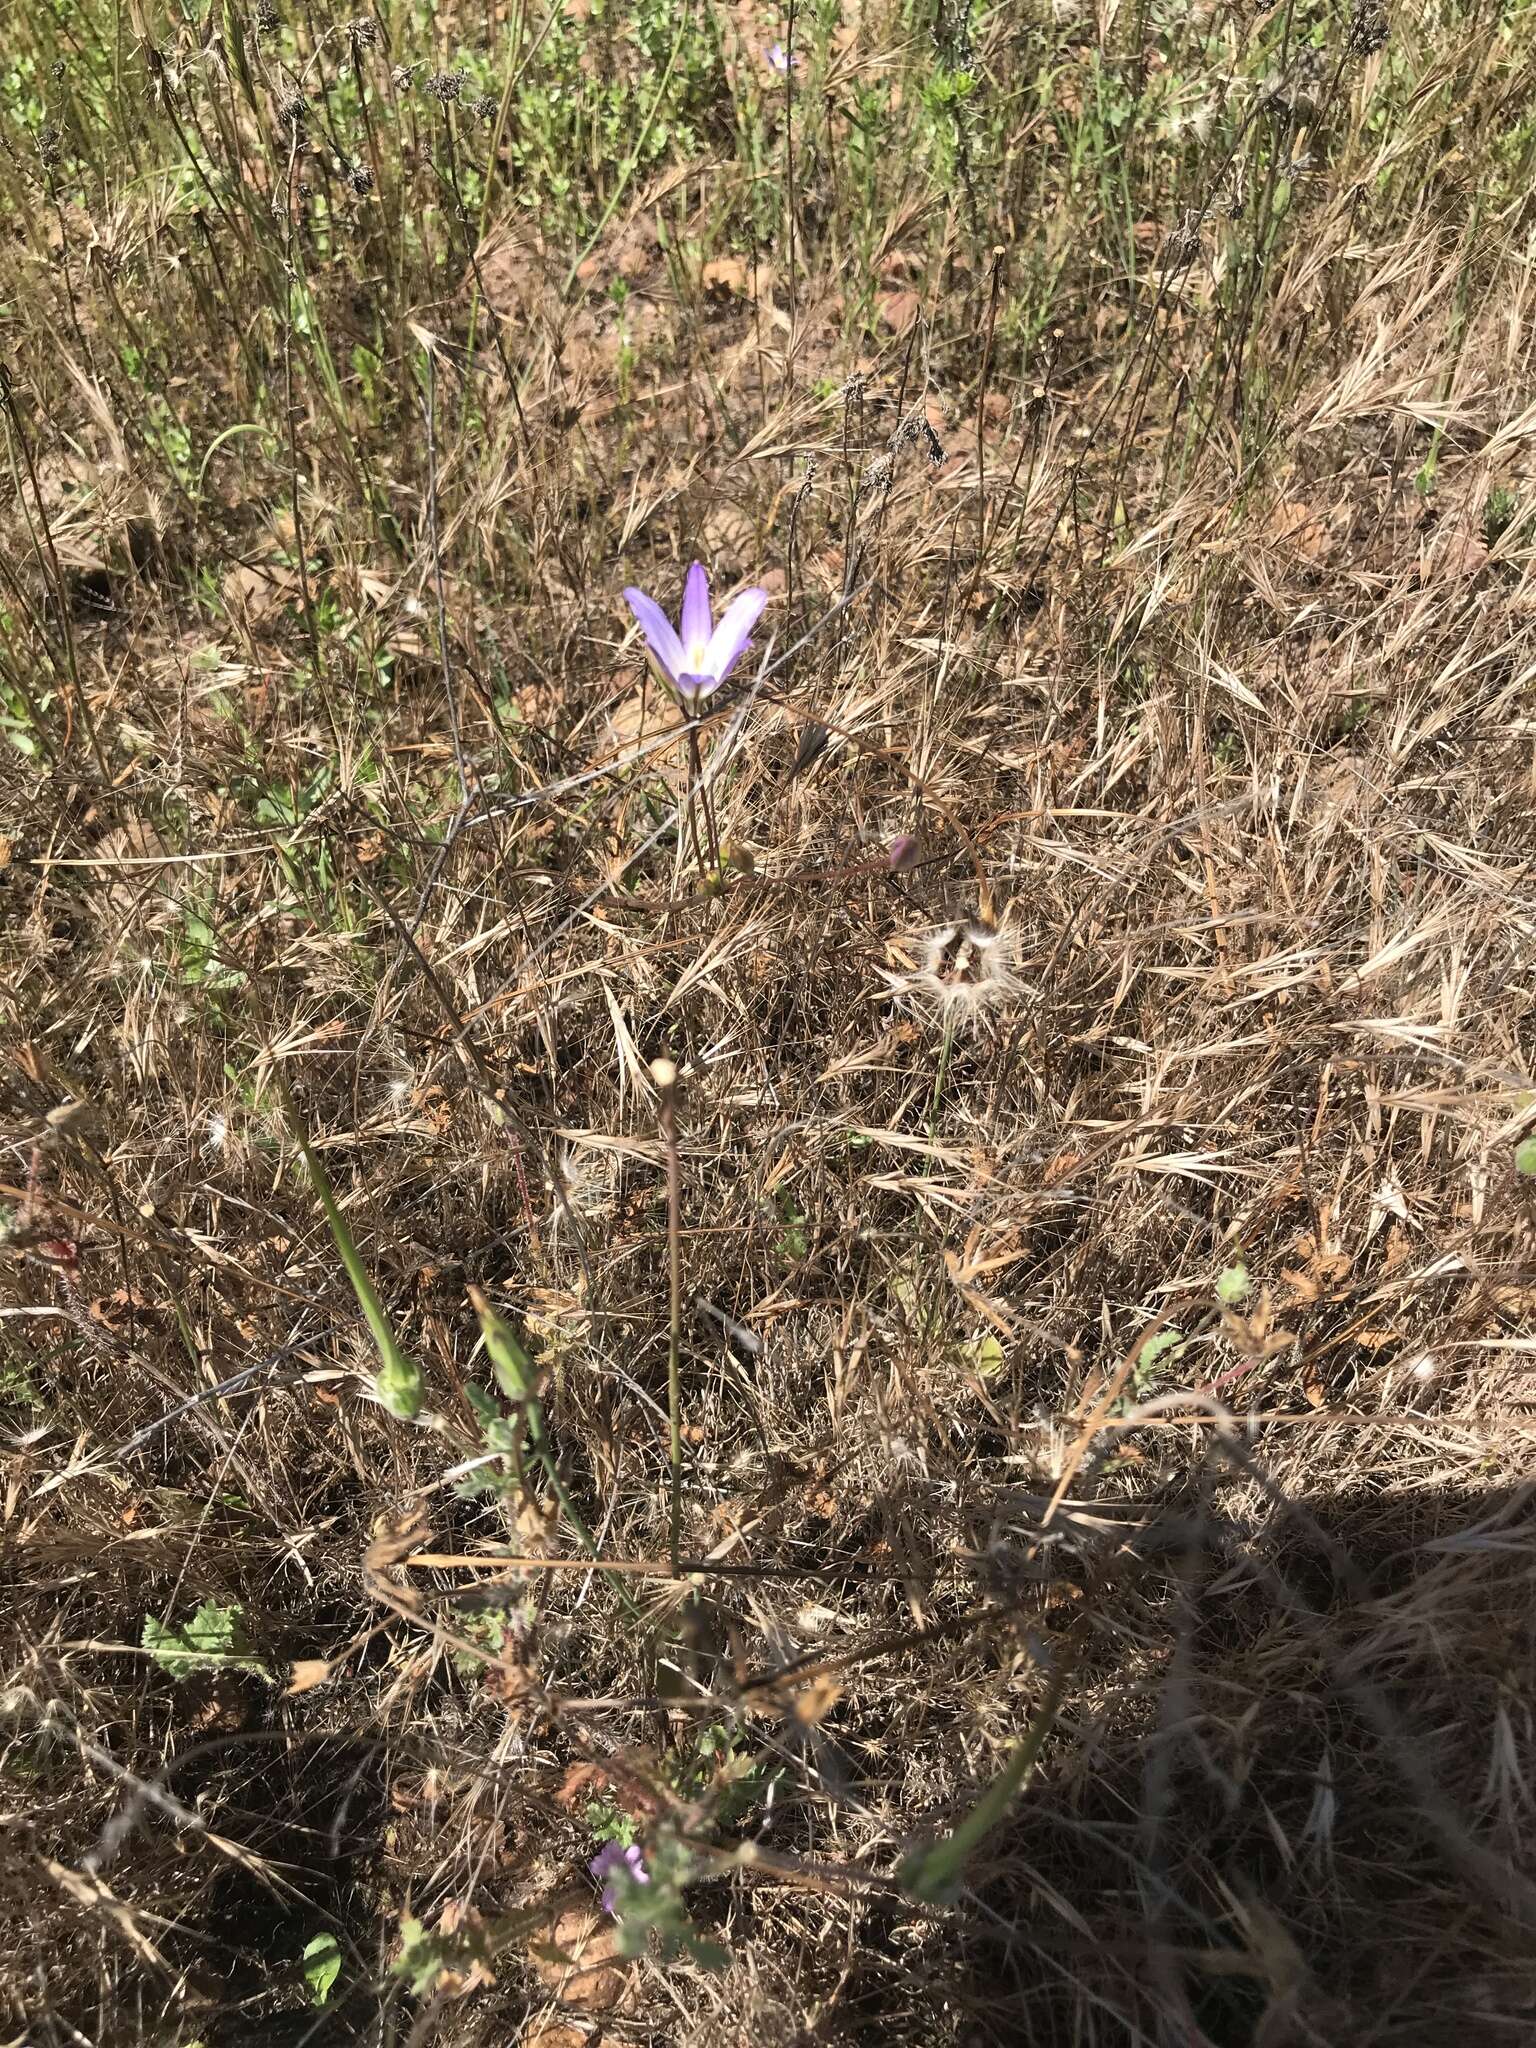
[422,1956]
[1161,1348]
[985,1355]
[322,1966]
[609,1823]
[398,1383]
[1525,1157]
[1232,1285]
[213,1629]
[1165,1344]
[212,1638]
[168,1647]
[792,1244]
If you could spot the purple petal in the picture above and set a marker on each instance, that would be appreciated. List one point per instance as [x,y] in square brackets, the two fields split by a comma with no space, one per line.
[728,641]
[698,620]
[659,634]
[696,685]
[607,1865]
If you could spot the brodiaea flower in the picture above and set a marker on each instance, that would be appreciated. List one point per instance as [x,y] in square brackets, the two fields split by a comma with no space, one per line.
[607,1864]
[699,659]
[779,59]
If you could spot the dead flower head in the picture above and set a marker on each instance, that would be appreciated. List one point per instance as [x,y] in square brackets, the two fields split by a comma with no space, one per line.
[965,971]
[446,87]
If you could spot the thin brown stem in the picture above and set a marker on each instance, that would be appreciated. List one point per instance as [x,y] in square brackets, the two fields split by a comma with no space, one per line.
[450,697]
[664,1074]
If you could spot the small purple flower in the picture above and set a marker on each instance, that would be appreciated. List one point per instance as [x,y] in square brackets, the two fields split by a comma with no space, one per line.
[780,60]
[607,1864]
[699,660]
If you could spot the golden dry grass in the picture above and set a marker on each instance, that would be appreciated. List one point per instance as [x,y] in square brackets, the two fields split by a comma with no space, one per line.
[1139,459]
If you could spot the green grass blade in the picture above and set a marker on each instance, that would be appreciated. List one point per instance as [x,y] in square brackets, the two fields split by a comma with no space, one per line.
[934,1872]
[398,1382]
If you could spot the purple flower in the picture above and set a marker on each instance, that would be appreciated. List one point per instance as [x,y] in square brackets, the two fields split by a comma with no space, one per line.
[609,1861]
[703,656]
[780,60]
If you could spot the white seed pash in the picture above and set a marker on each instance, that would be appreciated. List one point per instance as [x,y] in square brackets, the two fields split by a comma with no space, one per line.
[967,968]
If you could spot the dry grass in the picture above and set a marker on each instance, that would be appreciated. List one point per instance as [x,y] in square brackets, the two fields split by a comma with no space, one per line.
[1137,441]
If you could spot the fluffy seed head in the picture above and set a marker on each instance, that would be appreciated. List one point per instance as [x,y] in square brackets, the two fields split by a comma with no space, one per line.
[966,971]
